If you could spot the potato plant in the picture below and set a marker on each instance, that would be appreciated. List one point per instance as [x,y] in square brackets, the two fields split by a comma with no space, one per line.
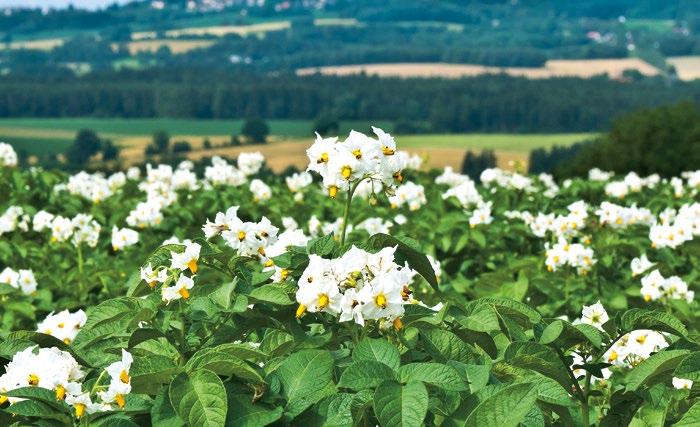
[368,292]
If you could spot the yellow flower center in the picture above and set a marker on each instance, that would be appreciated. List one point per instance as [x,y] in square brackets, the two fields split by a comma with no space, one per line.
[184,292]
[301,310]
[357,153]
[323,158]
[124,376]
[3,399]
[345,172]
[387,151]
[192,265]
[641,339]
[241,236]
[61,325]
[398,177]
[120,399]
[66,340]
[380,300]
[79,410]
[284,273]
[60,392]
[595,318]
[332,191]
[613,356]
[323,301]
[152,284]
[269,263]
[33,379]
[398,324]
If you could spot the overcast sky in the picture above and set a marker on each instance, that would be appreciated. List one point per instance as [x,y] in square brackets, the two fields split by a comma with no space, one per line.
[90,4]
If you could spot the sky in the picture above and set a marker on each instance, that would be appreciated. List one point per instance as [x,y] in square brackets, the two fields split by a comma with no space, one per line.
[89,4]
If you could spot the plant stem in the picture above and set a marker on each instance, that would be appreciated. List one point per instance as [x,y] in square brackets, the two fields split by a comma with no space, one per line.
[584,403]
[346,214]
[80,271]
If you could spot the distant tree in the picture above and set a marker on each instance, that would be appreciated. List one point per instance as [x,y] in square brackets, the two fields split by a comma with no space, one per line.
[109,150]
[473,164]
[161,141]
[86,144]
[235,141]
[181,147]
[326,124]
[206,144]
[664,140]
[256,130]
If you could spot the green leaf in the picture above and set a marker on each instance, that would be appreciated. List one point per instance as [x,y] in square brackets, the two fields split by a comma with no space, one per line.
[322,246]
[379,350]
[401,405]
[689,368]
[654,369]
[552,332]
[405,253]
[271,293]
[38,409]
[365,374]
[436,374]
[691,418]
[483,319]
[539,358]
[638,318]
[443,345]
[519,312]
[148,373]
[244,413]
[38,394]
[505,408]
[224,364]
[199,398]
[162,411]
[306,378]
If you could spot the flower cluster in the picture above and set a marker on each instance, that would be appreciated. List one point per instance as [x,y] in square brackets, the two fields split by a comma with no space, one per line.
[21,279]
[261,191]
[12,219]
[564,253]
[123,238]
[617,216]
[676,227]
[374,225]
[8,156]
[358,157]
[409,194]
[632,183]
[247,238]
[80,229]
[297,182]
[356,287]
[93,187]
[506,179]
[175,284]
[655,286]
[63,325]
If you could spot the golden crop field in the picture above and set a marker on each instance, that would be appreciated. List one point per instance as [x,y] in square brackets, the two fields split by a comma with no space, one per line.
[687,67]
[41,44]
[175,46]
[554,68]
[217,31]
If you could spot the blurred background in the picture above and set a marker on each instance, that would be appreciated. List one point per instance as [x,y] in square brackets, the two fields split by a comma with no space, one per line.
[545,86]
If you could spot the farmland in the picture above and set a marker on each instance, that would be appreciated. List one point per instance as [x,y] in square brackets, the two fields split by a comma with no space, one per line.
[237,287]
[585,68]
[287,143]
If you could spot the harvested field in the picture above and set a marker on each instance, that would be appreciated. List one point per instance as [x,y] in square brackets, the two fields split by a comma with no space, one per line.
[554,68]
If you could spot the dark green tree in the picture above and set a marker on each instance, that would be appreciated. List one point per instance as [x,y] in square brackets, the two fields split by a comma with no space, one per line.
[86,144]
[256,130]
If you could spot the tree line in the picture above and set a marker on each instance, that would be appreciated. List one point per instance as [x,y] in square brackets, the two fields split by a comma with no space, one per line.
[494,103]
